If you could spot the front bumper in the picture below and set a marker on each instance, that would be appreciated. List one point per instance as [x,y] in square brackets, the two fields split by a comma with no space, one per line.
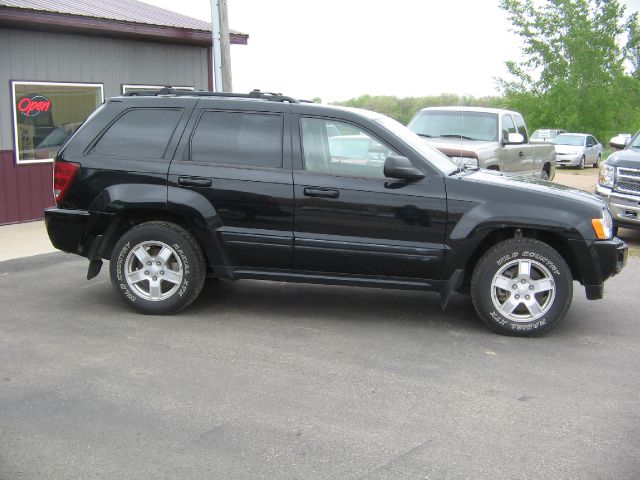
[608,258]
[625,209]
[568,160]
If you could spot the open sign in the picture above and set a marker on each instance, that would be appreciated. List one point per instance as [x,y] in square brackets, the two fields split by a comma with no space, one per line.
[33,105]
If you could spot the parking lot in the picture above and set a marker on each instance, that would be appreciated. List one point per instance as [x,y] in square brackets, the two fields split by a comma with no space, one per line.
[274,380]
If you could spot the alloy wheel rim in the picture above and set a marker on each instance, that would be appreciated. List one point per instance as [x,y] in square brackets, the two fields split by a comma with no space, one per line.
[523,290]
[153,270]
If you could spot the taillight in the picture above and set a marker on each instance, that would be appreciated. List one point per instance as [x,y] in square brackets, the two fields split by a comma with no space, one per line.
[63,175]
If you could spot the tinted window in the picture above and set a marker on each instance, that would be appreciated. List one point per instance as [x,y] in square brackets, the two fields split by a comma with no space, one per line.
[249,139]
[348,152]
[140,133]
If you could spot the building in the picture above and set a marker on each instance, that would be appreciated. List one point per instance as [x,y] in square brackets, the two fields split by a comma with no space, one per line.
[59,60]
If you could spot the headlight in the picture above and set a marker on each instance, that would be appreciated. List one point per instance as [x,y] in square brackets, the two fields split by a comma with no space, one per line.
[603,226]
[607,173]
[465,162]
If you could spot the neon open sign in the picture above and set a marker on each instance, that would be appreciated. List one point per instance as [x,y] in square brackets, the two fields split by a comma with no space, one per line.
[32,106]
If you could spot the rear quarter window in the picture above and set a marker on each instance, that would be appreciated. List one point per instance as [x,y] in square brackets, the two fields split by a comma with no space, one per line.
[139,133]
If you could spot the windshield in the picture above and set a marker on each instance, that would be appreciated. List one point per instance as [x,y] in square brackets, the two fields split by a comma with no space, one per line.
[636,142]
[456,124]
[566,139]
[433,156]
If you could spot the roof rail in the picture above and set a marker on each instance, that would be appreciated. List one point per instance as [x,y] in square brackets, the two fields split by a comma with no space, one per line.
[170,91]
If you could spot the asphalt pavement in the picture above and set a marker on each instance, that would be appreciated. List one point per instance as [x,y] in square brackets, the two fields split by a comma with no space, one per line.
[281,381]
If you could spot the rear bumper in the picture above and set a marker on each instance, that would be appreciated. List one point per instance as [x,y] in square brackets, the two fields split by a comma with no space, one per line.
[74,231]
[608,258]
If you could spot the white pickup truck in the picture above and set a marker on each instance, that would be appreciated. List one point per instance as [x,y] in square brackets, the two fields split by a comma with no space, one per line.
[490,138]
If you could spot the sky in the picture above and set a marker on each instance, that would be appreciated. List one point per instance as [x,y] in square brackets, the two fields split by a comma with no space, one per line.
[341,49]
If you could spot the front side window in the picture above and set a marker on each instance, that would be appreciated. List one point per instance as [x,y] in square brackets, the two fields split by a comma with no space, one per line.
[522,128]
[139,133]
[238,138]
[46,114]
[338,148]
[507,126]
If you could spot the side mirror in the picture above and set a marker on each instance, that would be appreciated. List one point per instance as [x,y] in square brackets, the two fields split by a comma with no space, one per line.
[399,167]
[514,138]
[619,142]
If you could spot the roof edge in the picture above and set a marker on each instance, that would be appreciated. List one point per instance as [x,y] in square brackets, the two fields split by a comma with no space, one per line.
[27,19]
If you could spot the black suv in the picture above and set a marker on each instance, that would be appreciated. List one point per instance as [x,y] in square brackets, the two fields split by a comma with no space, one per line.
[173,187]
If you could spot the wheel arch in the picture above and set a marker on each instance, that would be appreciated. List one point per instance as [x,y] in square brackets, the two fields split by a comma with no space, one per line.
[555,240]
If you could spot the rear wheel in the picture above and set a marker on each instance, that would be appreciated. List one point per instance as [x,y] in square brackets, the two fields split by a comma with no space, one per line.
[521,287]
[157,268]
[544,175]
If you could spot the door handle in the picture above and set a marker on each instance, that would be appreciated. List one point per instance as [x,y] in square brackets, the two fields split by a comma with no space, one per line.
[194,182]
[521,154]
[321,192]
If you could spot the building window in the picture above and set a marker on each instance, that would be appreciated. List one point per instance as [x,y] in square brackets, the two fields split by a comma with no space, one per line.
[145,88]
[45,115]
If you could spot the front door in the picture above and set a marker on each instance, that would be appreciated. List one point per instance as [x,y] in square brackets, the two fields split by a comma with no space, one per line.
[350,218]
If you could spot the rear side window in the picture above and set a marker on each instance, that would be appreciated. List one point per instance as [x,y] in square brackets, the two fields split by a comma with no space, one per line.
[238,138]
[139,133]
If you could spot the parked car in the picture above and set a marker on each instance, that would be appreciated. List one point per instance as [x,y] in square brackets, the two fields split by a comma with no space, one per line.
[488,138]
[619,184]
[577,150]
[545,135]
[179,186]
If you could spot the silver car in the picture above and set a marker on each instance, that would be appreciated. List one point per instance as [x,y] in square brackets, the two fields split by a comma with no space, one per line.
[577,150]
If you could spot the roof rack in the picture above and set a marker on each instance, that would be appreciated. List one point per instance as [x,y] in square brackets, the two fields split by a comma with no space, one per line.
[170,91]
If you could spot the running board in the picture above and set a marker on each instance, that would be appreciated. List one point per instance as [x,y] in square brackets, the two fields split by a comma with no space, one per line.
[328,279]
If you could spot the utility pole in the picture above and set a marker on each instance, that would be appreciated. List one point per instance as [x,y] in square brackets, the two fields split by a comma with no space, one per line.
[220,46]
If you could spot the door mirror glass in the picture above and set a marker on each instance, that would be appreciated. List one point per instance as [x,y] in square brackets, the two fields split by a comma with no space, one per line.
[515,138]
[396,166]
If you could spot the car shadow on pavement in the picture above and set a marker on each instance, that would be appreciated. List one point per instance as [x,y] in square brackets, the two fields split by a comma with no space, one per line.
[305,303]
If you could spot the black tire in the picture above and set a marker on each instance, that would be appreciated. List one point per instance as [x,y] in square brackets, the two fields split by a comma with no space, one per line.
[158,268]
[581,164]
[544,175]
[596,164]
[546,269]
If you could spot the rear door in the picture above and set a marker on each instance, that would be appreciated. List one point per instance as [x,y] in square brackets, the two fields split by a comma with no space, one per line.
[237,159]
[350,218]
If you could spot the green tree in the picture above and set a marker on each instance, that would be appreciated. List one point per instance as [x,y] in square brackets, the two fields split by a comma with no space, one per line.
[572,74]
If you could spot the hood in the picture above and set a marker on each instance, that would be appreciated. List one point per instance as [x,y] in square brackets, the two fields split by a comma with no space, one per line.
[506,184]
[629,158]
[457,146]
[568,149]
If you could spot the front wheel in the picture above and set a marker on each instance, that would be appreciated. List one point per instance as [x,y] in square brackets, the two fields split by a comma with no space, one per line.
[157,268]
[521,287]
[581,164]
[596,164]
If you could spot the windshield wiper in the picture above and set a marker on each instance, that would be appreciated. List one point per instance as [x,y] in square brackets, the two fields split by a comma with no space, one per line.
[424,135]
[451,135]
